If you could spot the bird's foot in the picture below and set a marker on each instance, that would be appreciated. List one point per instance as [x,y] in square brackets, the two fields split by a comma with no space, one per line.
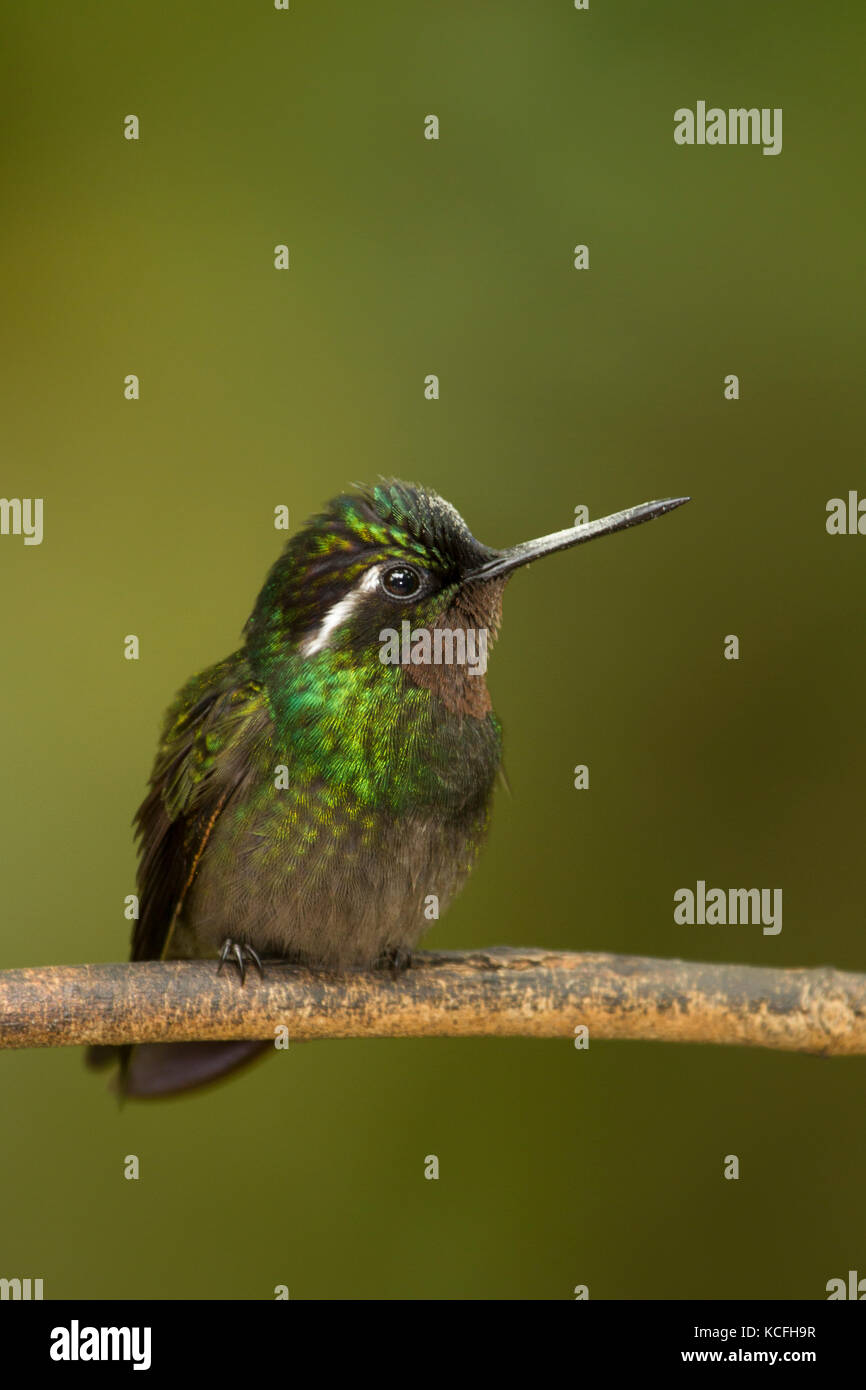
[395,958]
[238,953]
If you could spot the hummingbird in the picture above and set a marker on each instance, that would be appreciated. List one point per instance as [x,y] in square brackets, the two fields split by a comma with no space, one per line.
[312,789]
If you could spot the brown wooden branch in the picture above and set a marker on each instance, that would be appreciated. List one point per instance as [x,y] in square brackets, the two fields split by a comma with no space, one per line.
[496,993]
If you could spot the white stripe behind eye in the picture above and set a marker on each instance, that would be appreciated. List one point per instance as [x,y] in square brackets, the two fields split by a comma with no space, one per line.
[339,612]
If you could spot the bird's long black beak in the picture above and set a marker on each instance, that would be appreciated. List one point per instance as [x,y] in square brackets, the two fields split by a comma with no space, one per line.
[504,561]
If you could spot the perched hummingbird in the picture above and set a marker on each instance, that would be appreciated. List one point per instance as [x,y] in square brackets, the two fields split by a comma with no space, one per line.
[308,794]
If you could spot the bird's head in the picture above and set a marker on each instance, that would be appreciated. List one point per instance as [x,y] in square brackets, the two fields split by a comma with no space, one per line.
[378,569]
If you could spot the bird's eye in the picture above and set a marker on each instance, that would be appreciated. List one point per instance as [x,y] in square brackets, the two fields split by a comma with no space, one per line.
[400,581]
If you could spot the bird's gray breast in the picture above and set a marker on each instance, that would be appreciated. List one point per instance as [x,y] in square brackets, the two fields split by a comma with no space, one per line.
[333,892]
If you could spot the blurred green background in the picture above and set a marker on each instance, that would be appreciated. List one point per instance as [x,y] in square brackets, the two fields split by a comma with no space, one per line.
[557,388]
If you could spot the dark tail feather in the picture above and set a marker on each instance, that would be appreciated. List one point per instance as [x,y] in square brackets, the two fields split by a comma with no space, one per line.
[100,1056]
[166,1069]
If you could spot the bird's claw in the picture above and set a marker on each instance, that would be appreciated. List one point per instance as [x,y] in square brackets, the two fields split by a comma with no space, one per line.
[239,952]
[395,958]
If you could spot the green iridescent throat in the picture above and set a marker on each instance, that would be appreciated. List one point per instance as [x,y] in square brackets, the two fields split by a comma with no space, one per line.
[368,728]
